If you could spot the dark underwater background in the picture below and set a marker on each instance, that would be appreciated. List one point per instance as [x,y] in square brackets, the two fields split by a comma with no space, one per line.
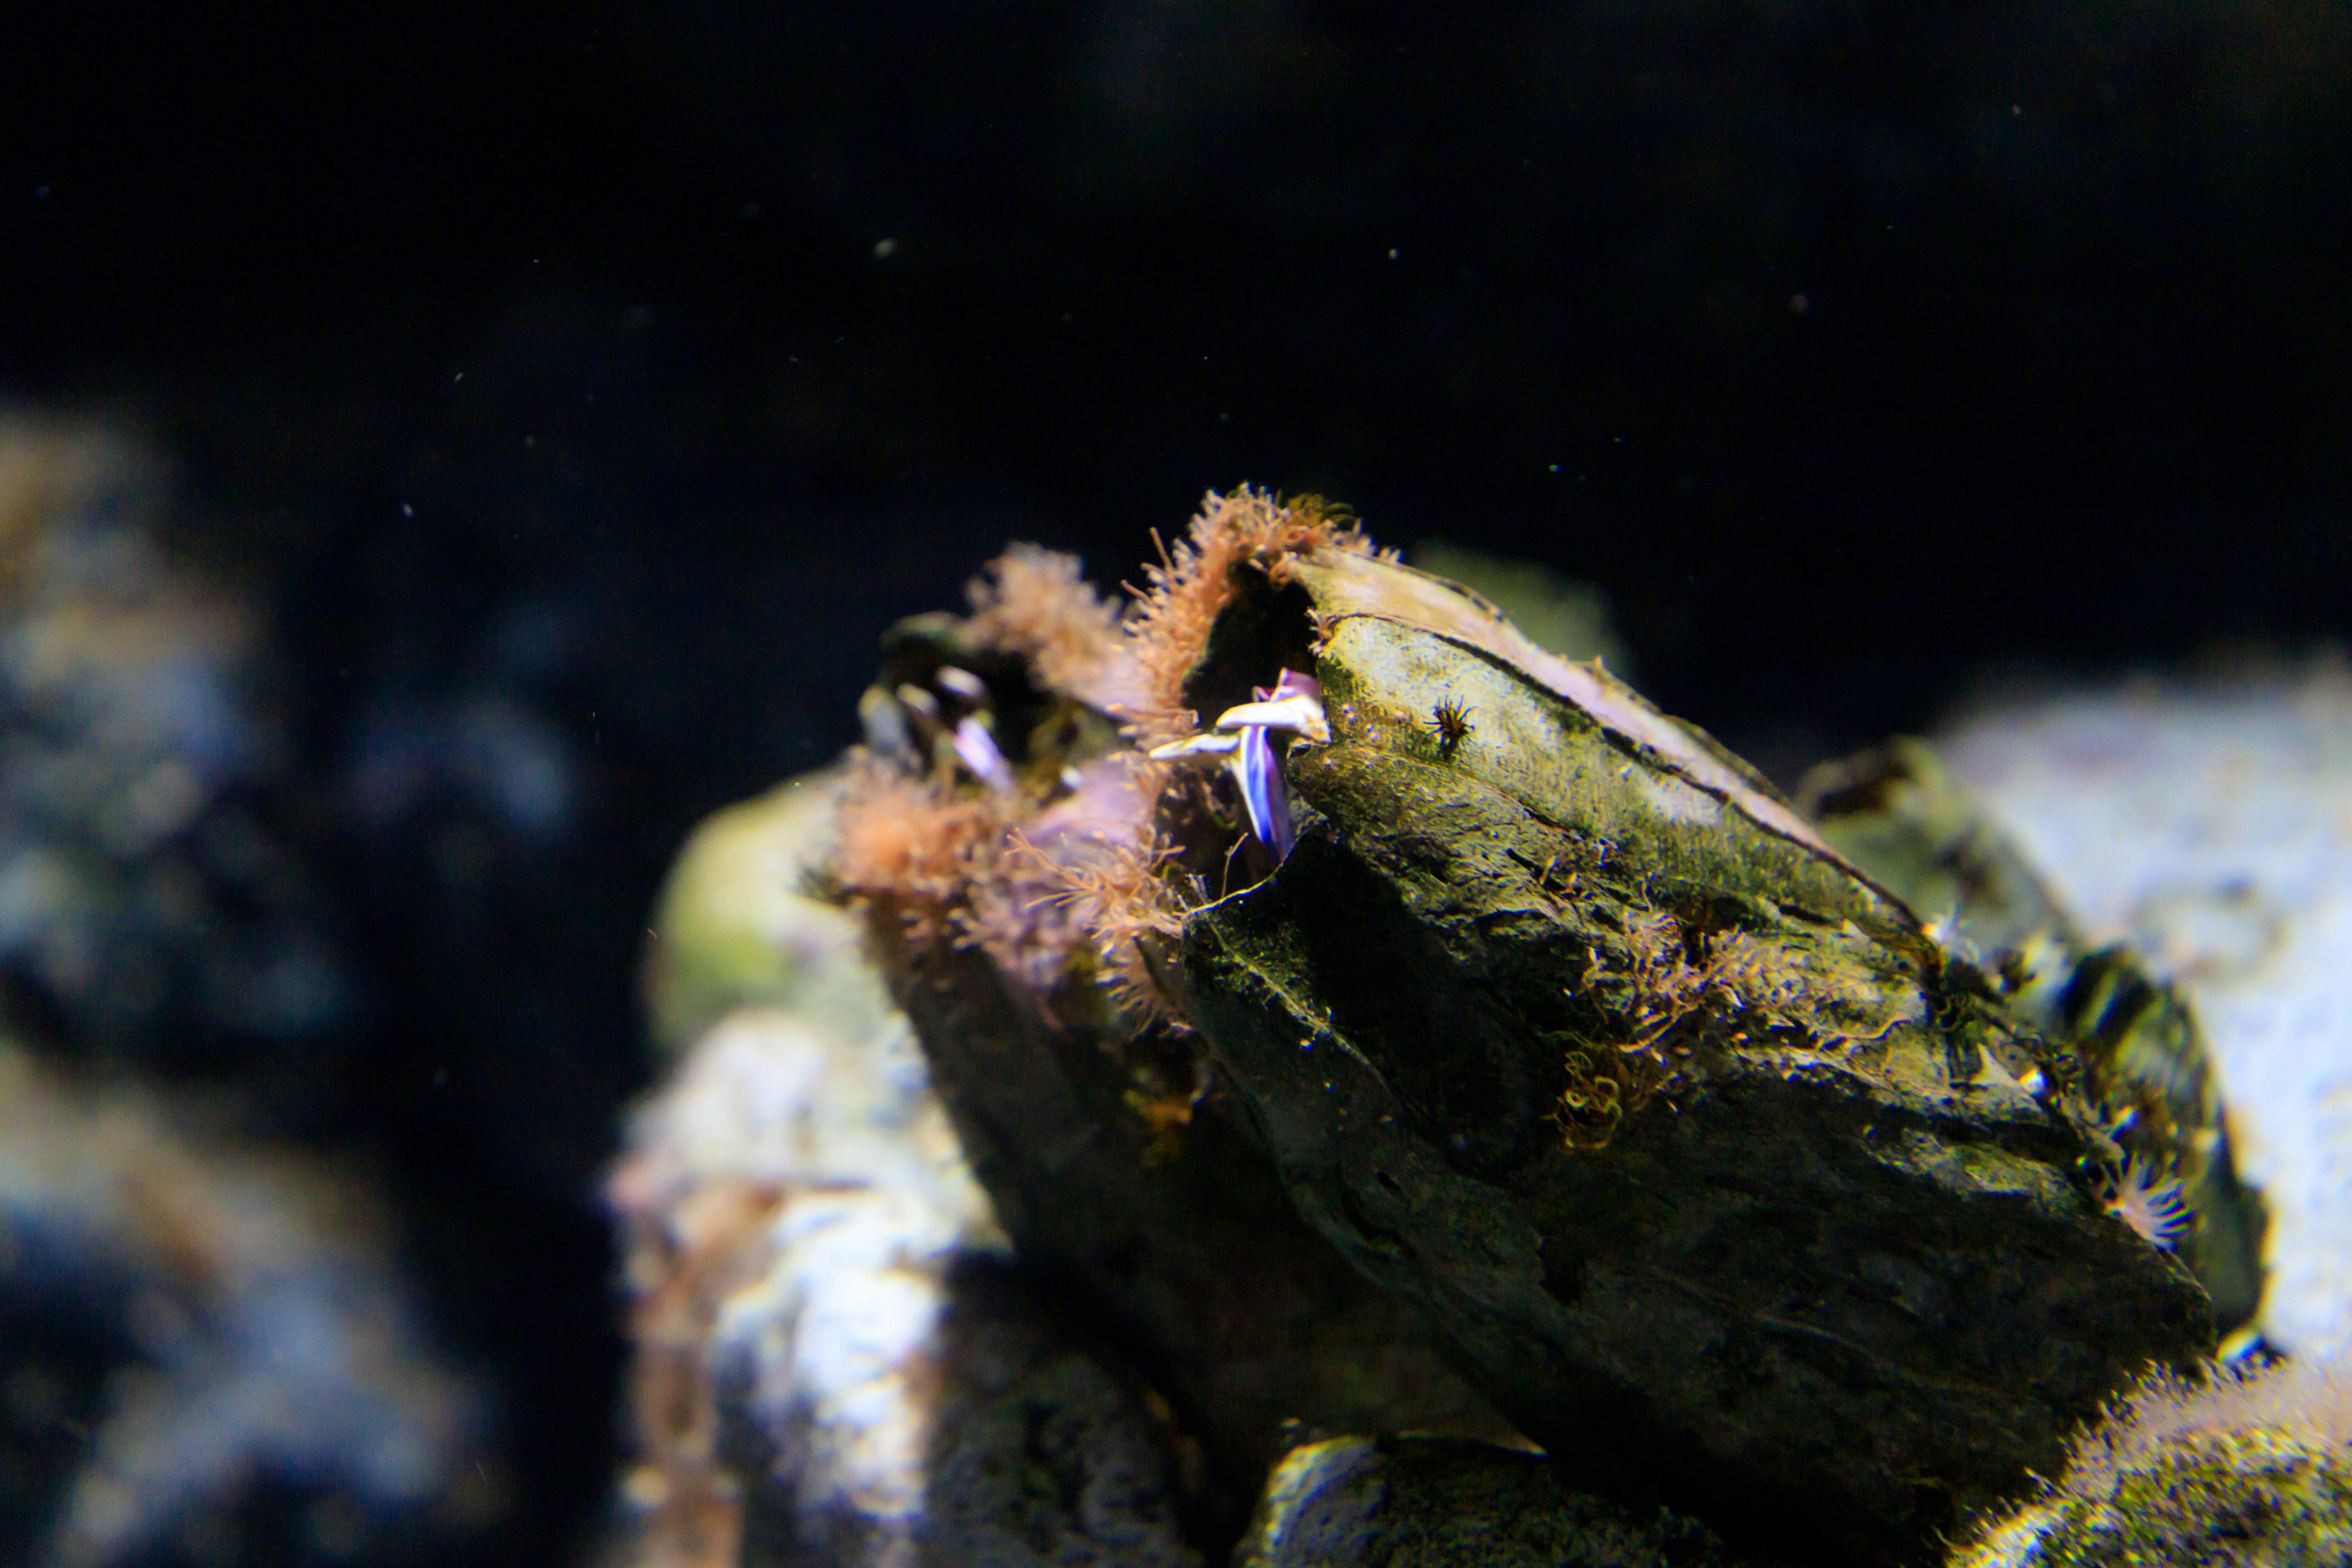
[575,391]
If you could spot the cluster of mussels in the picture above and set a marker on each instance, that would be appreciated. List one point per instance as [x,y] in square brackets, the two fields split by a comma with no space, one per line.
[1378,1024]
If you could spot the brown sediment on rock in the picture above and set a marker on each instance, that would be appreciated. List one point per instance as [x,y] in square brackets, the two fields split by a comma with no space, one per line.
[679,1266]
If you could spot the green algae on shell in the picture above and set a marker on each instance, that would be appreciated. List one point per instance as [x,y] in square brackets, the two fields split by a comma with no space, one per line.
[1157,1224]
[1669,1121]
[2145,1067]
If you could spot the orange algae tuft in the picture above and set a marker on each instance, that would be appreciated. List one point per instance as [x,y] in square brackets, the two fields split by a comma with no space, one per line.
[1036,604]
[911,846]
[1123,900]
[1169,628]
[1070,877]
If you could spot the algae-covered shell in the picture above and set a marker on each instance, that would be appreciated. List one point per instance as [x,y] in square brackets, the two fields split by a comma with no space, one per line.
[1129,1193]
[1896,810]
[1717,1175]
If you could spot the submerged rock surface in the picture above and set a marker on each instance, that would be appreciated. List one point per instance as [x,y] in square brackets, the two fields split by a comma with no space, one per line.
[1677,1131]
[1320,975]
[1419,1502]
[1896,811]
[1194,1262]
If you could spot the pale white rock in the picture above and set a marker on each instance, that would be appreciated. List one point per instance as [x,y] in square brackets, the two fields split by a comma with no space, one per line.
[2208,823]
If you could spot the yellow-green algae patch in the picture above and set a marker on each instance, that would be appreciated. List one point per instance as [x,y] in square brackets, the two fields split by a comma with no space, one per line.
[1675,1125]
[2247,1472]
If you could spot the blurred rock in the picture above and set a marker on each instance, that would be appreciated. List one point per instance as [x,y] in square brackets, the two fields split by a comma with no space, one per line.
[736,927]
[483,747]
[1418,1502]
[792,1208]
[150,900]
[263,1352]
[833,1361]
[223,1322]
[2208,824]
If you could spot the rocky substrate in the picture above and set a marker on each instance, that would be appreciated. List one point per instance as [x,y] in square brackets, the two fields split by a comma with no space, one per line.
[1363,1023]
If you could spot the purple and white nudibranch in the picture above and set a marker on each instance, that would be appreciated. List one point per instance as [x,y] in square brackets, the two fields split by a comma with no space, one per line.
[1294,702]
[977,750]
